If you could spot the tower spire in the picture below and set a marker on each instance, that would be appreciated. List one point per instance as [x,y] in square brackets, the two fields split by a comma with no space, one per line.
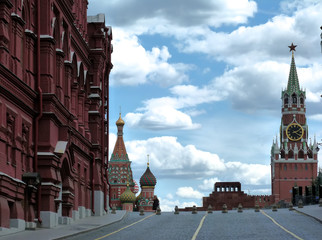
[119,152]
[293,85]
[148,161]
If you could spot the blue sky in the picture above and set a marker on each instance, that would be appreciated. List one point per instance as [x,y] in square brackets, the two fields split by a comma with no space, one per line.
[199,84]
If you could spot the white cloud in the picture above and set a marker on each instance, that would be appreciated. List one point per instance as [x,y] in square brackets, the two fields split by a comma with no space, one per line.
[249,88]
[146,16]
[252,174]
[166,154]
[173,112]
[316,117]
[188,192]
[208,184]
[134,65]
[170,159]
[194,23]
[288,6]
[247,45]
[169,196]
[256,55]
[160,118]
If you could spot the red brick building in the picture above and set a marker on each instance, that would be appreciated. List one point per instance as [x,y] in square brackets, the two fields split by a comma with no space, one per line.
[293,162]
[54,72]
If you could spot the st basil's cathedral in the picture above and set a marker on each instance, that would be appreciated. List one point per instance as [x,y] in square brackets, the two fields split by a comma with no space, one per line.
[123,186]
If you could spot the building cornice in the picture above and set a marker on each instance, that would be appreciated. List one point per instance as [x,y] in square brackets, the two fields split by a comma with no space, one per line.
[10,83]
[292,160]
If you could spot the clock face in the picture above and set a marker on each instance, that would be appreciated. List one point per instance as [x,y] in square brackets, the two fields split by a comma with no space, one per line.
[294,132]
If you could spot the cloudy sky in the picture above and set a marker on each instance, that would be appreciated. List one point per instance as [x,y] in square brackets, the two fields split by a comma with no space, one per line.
[199,85]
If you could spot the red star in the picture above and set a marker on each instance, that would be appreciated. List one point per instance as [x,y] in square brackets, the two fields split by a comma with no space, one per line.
[292,47]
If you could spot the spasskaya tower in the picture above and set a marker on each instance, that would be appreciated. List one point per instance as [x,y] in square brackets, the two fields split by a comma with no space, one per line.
[294,162]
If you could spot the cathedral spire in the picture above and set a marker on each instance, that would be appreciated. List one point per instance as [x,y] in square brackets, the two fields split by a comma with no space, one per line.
[119,153]
[148,161]
[293,85]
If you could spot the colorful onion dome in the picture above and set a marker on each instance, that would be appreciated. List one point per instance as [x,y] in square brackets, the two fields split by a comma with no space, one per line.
[120,121]
[148,179]
[127,196]
[136,187]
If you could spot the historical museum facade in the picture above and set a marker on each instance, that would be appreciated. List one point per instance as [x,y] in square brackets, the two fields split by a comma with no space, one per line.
[293,162]
[54,72]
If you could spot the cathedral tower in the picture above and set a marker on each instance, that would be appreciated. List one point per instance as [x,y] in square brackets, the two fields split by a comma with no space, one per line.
[294,162]
[120,172]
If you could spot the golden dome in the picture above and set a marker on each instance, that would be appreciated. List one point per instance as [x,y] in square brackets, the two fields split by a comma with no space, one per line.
[120,121]
[127,196]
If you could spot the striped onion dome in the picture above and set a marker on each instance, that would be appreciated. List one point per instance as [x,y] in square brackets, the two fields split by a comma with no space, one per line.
[136,187]
[127,196]
[148,179]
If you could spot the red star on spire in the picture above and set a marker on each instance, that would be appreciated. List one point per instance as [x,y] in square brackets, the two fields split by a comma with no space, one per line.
[292,47]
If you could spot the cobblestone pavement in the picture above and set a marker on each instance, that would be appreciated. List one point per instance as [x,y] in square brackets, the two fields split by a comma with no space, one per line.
[252,225]
[304,223]
[62,231]
[283,224]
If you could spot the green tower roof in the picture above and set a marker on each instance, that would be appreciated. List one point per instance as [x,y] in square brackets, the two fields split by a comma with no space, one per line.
[127,196]
[293,85]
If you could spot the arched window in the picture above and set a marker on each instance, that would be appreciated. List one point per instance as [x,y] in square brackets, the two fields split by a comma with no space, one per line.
[286,101]
[65,40]
[282,154]
[302,100]
[301,154]
[291,154]
[294,98]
